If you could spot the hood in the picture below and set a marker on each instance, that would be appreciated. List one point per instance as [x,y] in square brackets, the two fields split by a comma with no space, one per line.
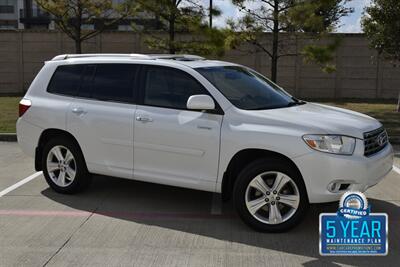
[315,118]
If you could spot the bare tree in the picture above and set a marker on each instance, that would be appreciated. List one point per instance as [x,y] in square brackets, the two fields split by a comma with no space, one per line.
[183,16]
[71,15]
[285,19]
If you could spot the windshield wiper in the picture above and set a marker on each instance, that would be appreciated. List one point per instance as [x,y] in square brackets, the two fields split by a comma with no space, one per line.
[295,102]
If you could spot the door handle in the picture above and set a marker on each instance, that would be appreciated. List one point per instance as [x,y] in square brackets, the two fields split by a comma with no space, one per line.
[78,111]
[204,127]
[144,119]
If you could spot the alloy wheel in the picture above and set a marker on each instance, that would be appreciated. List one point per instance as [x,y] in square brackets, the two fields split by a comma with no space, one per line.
[272,197]
[61,166]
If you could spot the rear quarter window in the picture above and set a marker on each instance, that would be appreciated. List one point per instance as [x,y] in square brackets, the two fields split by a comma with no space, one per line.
[66,80]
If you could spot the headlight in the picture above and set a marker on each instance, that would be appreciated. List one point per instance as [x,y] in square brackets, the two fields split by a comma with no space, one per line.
[336,144]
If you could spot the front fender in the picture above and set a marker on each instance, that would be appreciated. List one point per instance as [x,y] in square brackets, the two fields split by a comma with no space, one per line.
[277,139]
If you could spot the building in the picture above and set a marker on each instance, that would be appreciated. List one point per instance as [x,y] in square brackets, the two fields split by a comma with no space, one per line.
[9,14]
[25,14]
[31,16]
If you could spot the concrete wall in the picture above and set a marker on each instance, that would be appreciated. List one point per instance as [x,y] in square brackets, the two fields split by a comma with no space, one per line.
[359,72]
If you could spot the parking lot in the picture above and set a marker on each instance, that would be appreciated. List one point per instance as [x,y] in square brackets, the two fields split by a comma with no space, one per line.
[120,222]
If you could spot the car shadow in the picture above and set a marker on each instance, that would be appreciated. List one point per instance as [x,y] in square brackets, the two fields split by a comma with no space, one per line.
[191,211]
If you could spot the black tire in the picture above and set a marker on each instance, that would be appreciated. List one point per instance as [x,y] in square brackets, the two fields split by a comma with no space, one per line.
[246,176]
[82,177]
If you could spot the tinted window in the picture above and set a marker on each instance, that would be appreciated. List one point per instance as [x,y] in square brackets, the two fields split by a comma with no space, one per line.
[85,89]
[66,80]
[113,82]
[167,87]
[247,89]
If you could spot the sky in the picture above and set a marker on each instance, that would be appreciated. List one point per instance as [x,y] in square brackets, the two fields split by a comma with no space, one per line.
[349,24]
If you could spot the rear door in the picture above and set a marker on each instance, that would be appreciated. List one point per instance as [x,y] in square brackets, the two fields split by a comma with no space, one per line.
[102,118]
[173,145]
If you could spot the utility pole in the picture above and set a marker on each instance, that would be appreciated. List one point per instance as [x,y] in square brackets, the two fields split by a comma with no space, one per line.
[210,12]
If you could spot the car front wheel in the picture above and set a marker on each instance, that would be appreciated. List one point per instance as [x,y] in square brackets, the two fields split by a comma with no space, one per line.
[270,196]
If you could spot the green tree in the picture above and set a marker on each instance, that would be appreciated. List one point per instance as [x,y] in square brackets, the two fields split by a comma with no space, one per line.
[287,21]
[70,15]
[183,16]
[381,24]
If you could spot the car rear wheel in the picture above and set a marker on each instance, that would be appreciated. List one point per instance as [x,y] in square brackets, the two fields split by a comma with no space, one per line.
[270,196]
[64,167]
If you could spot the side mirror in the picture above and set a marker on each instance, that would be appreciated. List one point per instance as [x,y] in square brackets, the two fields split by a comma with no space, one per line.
[200,102]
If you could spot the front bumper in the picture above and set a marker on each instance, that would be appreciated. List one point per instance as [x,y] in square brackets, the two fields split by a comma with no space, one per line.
[319,170]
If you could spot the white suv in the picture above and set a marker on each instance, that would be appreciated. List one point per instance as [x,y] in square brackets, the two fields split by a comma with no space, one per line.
[195,123]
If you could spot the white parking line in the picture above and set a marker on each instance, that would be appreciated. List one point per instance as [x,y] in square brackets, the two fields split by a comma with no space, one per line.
[20,183]
[396,169]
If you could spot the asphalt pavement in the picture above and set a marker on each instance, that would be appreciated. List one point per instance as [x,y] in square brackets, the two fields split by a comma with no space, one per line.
[120,222]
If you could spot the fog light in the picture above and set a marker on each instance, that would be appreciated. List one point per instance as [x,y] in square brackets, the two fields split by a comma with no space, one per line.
[339,186]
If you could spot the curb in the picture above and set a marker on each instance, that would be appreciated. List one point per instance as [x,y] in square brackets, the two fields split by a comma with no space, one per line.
[8,137]
[12,137]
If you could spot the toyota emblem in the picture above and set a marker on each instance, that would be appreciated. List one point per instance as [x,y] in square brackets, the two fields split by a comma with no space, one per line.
[381,139]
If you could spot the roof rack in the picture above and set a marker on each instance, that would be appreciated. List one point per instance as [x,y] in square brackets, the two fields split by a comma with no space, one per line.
[67,56]
[133,56]
[182,57]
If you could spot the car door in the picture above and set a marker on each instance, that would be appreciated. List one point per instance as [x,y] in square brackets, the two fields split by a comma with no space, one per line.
[173,145]
[102,118]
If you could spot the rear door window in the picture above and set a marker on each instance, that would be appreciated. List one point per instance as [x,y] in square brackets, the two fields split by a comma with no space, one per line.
[66,80]
[85,89]
[109,82]
[114,82]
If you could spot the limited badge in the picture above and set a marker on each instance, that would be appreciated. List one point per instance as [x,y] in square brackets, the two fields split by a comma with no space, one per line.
[353,230]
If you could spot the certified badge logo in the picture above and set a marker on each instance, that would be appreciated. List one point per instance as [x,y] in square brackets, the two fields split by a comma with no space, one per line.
[353,230]
[353,205]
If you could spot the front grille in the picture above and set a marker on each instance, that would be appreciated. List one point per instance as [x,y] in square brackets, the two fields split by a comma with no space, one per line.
[375,141]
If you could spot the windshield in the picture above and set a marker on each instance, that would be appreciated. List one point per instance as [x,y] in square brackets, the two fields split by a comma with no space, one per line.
[247,89]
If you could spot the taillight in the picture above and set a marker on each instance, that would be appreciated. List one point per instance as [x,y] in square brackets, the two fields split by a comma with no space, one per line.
[24,105]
